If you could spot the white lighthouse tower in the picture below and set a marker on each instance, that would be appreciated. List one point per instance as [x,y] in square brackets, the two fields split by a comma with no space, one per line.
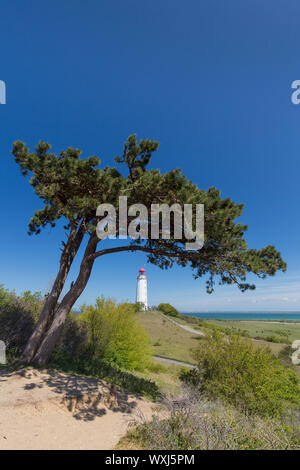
[141,289]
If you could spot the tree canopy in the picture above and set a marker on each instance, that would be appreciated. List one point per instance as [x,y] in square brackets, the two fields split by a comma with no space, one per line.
[72,188]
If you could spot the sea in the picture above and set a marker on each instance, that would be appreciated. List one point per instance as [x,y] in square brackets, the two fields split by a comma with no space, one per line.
[278,316]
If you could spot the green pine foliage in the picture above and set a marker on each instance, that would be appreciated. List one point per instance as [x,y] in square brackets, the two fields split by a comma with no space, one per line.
[72,187]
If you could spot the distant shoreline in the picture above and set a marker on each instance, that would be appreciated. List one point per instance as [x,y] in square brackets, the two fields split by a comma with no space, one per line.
[247,316]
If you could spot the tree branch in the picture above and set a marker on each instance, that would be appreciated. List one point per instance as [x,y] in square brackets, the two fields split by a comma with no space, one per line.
[133,248]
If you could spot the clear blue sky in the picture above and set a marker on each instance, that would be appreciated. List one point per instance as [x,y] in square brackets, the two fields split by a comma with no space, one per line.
[209,79]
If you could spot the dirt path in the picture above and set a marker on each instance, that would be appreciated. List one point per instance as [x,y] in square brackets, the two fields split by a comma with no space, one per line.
[184,327]
[51,410]
[173,361]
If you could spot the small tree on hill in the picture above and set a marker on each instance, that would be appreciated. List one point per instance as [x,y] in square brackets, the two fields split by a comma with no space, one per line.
[168,309]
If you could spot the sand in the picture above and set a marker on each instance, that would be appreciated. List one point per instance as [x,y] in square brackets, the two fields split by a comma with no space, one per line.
[51,410]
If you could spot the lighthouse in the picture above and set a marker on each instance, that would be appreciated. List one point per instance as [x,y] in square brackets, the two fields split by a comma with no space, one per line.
[141,289]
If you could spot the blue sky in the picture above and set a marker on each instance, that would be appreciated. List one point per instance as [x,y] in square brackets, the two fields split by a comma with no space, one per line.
[211,80]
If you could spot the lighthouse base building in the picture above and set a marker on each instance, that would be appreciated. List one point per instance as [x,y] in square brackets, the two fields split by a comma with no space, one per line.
[141,289]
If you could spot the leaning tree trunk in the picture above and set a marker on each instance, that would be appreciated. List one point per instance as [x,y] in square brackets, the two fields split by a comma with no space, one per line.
[53,333]
[67,257]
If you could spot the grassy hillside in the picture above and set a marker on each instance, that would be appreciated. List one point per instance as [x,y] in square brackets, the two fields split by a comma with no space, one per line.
[170,341]
[166,377]
[283,331]
[264,329]
[167,339]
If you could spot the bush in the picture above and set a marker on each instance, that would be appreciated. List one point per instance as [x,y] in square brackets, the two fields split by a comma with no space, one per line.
[231,369]
[107,331]
[4,297]
[18,315]
[168,309]
[275,339]
[74,339]
[115,335]
[190,423]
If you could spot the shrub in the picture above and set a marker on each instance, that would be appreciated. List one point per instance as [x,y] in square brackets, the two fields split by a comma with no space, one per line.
[168,309]
[18,315]
[34,302]
[4,296]
[230,368]
[107,331]
[74,338]
[275,339]
[190,423]
[115,335]
[139,307]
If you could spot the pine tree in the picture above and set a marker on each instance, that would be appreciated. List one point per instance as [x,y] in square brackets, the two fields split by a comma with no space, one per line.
[72,188]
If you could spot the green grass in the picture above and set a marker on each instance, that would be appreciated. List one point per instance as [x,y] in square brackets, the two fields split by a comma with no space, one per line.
[166,377]
[287,331]
[276,348]
[167,339]
[263,329]
[171,341]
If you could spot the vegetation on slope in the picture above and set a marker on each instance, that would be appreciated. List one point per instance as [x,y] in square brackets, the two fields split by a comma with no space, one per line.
[272,331]
[231,369]
[106,342]
[115,335]
[168,340]
[190,422]
[256,391]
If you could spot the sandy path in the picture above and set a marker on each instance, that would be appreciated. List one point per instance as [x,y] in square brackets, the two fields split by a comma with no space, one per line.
[184,327]
[173,361]
[50,410]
